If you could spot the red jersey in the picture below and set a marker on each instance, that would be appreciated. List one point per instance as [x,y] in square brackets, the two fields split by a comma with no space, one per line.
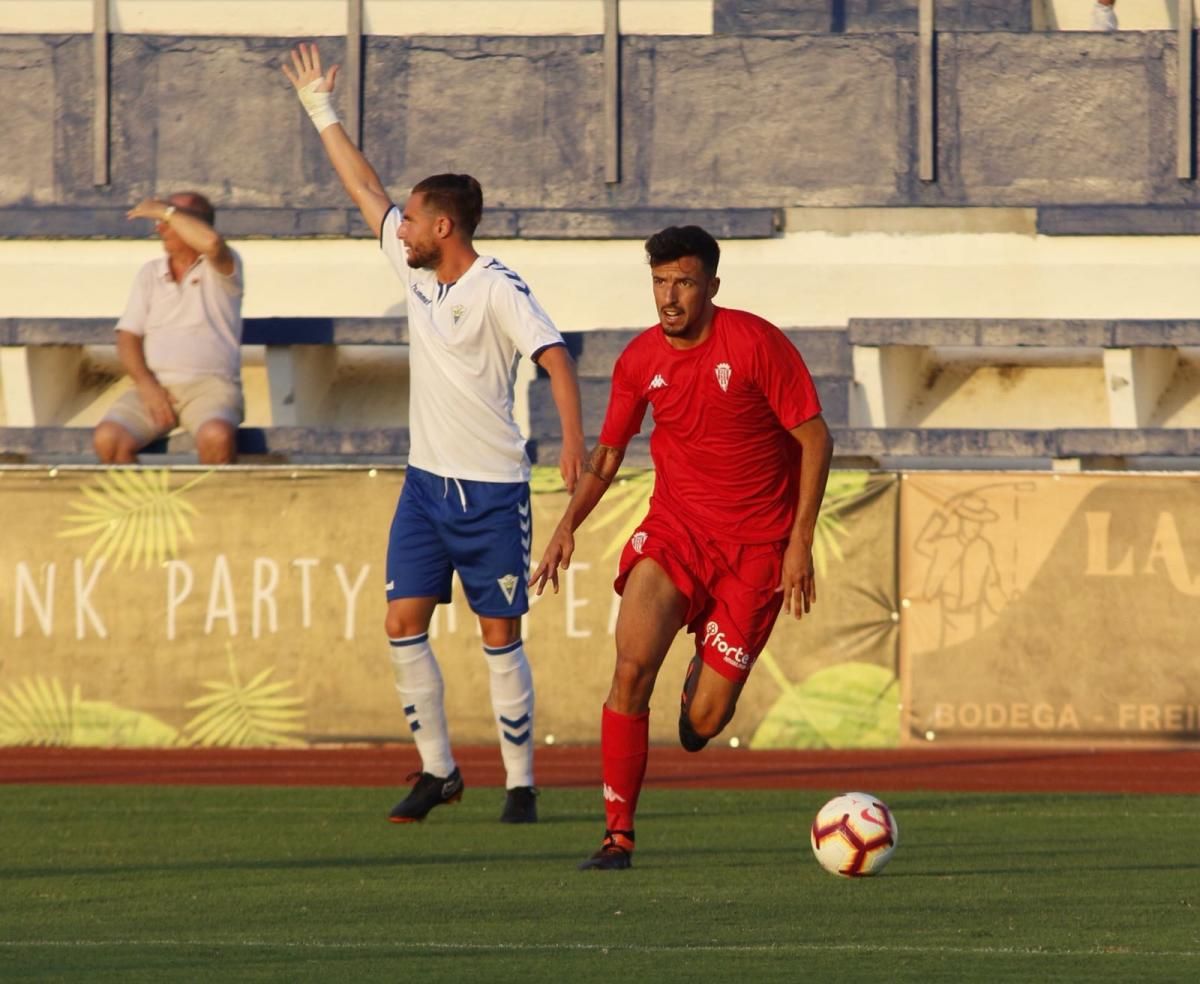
[723,456]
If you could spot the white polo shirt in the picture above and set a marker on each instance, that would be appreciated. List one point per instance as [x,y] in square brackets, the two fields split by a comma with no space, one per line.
[465,340]
[192,328]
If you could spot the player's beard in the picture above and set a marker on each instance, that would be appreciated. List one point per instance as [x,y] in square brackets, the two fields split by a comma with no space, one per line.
[680,327]
[425,257]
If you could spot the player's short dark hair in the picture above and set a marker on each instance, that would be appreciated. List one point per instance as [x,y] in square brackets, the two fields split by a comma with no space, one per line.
[456,195]
[676,242]
[197,205]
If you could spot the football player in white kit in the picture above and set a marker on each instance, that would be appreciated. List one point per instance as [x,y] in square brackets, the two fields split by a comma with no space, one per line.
[465,502]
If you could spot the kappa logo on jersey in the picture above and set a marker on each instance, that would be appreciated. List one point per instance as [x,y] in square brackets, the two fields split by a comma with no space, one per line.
[723,371]
[637,541]
[457,312]
[657,382]
[733,655]
[424,300]
[508,584]
[612,796]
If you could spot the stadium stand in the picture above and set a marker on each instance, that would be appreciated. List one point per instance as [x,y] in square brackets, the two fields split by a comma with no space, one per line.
[927,378]
[888,386]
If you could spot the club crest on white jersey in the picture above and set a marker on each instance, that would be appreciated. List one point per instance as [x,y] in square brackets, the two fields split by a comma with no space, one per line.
[723,371]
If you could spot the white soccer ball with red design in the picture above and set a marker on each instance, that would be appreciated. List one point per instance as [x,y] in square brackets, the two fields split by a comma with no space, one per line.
[854,834]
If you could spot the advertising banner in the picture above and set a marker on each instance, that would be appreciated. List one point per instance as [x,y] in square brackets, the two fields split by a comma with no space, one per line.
[245,607]
[1050,607]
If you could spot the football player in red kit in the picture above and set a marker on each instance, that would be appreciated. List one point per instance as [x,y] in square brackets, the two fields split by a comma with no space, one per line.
[741,456]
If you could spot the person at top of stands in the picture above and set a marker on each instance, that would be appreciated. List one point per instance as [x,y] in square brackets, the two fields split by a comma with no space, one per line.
[179,339]
[741,457]
[465,503]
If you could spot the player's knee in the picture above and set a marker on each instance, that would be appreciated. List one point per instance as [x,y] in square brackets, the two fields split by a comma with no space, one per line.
[633,681]
[499,632]
[397,626]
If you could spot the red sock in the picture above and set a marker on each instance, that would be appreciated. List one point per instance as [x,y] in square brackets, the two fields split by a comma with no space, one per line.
[624,746]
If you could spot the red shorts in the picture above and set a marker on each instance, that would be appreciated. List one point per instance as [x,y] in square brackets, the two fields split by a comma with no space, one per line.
[732,589]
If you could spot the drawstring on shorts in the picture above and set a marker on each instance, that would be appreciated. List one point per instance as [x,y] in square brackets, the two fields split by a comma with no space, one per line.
[462,495]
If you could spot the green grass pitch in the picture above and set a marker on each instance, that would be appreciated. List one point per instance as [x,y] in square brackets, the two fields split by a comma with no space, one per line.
[108,883]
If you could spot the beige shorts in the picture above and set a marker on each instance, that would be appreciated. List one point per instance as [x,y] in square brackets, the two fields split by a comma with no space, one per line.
[196,401]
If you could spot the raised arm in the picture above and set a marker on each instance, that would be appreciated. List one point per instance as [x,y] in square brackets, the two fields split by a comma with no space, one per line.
[193,230]
[357,176]
[799,577]
[598,474]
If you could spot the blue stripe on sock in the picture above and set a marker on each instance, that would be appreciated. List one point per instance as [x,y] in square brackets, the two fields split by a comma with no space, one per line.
[410,709]
[517,739]
[511,647]
[518,723]
[409,640]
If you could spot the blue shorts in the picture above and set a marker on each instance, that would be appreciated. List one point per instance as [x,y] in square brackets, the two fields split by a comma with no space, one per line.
[482,530]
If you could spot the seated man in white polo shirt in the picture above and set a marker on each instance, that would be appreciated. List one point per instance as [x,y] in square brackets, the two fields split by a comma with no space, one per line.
[180,339]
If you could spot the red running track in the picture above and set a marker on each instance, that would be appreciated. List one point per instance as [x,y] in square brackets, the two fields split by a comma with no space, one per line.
[1105,770]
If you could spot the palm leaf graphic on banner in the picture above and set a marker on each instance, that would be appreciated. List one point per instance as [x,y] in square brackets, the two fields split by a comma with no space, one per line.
[134,514]
[849,705]
[37,711]
[841,492]
[250,715]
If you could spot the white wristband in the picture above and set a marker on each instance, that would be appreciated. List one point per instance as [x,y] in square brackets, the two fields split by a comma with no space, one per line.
[318,105]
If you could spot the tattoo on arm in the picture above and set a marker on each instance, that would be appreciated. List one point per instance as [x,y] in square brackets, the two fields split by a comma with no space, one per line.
[599,457]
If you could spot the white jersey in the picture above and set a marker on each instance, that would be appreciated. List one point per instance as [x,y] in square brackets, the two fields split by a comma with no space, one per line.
[465,340]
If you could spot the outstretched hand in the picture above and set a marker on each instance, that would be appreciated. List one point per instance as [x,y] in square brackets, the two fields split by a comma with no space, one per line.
[799,580]
[306,69]
[558,554]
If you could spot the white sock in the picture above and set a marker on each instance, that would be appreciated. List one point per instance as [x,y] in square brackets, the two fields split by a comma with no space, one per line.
[512,702]
[419,683]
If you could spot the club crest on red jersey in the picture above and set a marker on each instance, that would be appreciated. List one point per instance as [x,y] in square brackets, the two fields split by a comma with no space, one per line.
[723,371]
[638,540]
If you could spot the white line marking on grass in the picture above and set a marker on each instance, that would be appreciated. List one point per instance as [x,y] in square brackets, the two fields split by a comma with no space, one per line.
[1019,951]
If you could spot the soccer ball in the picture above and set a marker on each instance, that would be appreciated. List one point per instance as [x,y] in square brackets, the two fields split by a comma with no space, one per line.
[853,835]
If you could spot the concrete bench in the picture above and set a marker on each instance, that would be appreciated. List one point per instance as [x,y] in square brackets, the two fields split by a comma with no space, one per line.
[896,360]
[42,361]
[278,444]
[953,448]
[1065,449]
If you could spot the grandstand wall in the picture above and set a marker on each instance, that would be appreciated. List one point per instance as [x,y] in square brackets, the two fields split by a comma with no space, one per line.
[1031,304]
